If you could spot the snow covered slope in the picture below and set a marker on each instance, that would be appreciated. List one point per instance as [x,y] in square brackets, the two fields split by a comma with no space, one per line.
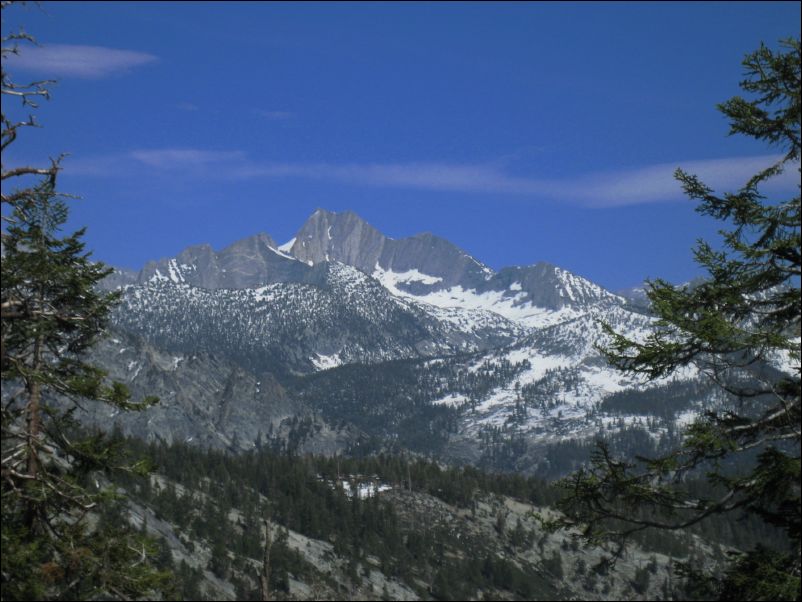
[337,315]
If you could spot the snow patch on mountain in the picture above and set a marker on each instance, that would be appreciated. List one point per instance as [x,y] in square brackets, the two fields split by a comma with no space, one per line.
[390,279]
[785,360]
[175,273]
[287,246]
[563,384]
[325,362]
[158,277]
[278,251]
[512,307]
[453,400]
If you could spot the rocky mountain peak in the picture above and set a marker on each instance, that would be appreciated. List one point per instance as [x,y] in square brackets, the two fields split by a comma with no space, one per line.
[250,262]
[343,237]
[546,285]
[347,238]
[417,265]
[251,243]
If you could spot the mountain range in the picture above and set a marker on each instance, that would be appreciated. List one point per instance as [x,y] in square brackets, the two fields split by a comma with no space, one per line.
[373,341]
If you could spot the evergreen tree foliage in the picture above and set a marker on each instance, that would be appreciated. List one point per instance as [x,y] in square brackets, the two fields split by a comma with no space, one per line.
[735,328]
[394,532]
[53,312]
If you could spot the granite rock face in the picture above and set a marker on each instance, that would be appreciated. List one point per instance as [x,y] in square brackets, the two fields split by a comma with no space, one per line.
[347,238]
[248,263]
[205,399]
[550,287]
[343,237]
[118,278]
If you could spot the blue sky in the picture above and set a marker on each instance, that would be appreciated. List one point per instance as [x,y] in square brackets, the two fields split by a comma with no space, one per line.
[522,132]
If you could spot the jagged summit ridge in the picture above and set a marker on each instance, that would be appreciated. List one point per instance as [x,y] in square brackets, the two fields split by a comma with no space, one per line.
[546,285]
[347,238]
[434,270]
[423,267]
[248,263]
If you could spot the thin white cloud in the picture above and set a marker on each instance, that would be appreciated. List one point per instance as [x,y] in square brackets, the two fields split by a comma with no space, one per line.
[172,158]
[647,184]
[655,183]
[88,62]
[187,106]
[425,176]
[135,163]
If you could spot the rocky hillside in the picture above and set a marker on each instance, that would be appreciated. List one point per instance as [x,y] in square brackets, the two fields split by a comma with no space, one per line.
[382,528]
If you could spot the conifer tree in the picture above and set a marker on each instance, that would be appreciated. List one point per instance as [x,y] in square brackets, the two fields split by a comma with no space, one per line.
[737,327]
[52,314]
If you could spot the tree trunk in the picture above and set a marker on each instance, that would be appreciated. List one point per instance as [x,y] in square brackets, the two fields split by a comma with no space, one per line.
[264,577]
[33,427]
